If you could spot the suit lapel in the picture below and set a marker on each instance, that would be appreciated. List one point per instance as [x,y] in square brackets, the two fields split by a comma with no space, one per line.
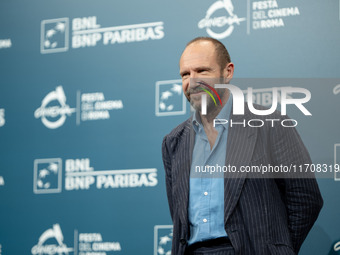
[240,146]
[186,144]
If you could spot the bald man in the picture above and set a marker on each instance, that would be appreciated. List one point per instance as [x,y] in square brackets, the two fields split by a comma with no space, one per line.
[232,214]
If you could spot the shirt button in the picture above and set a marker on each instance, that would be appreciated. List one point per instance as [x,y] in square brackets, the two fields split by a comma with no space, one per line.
[205,193]
[183,241]
[205,220]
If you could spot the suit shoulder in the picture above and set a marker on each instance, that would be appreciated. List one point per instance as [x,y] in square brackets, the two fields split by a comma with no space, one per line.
[179,130]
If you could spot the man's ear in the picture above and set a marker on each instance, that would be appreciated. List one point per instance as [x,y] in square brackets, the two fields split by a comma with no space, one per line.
[228,72]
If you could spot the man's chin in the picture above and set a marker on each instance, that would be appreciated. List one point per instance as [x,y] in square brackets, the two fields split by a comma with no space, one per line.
[196,105]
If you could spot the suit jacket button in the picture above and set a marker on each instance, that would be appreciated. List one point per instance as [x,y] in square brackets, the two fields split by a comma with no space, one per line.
[183,241]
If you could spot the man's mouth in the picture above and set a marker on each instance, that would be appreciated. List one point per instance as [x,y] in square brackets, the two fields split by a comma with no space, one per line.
[196,92]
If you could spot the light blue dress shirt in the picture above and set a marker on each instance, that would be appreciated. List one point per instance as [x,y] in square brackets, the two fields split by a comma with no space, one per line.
[206,194]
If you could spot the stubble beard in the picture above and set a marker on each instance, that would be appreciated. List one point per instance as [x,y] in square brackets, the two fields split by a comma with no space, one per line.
[196,102]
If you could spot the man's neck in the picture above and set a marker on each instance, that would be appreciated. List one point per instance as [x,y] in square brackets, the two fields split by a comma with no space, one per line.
[208,120]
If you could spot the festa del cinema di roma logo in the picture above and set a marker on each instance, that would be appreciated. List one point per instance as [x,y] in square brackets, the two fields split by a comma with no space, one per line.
[222,26]
[54,116]
[52,242]
[220,19]
[90,106]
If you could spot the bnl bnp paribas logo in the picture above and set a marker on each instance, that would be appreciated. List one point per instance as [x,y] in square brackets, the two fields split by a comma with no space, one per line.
[54,110]
[47,176]
[163,239]
[86,32]
[80,175]
[170,99]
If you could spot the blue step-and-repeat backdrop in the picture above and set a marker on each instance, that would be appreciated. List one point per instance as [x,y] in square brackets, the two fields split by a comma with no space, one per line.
[89,89]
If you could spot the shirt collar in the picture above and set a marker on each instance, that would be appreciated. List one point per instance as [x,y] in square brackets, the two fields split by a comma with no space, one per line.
[223,114]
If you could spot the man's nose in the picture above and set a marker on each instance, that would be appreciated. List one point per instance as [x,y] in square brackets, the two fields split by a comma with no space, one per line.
[193,80]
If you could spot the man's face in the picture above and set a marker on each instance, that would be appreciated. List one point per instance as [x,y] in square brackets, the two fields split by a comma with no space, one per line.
[199,61]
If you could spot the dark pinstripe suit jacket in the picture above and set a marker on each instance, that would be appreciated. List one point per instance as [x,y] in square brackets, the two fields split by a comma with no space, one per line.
[261,215]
